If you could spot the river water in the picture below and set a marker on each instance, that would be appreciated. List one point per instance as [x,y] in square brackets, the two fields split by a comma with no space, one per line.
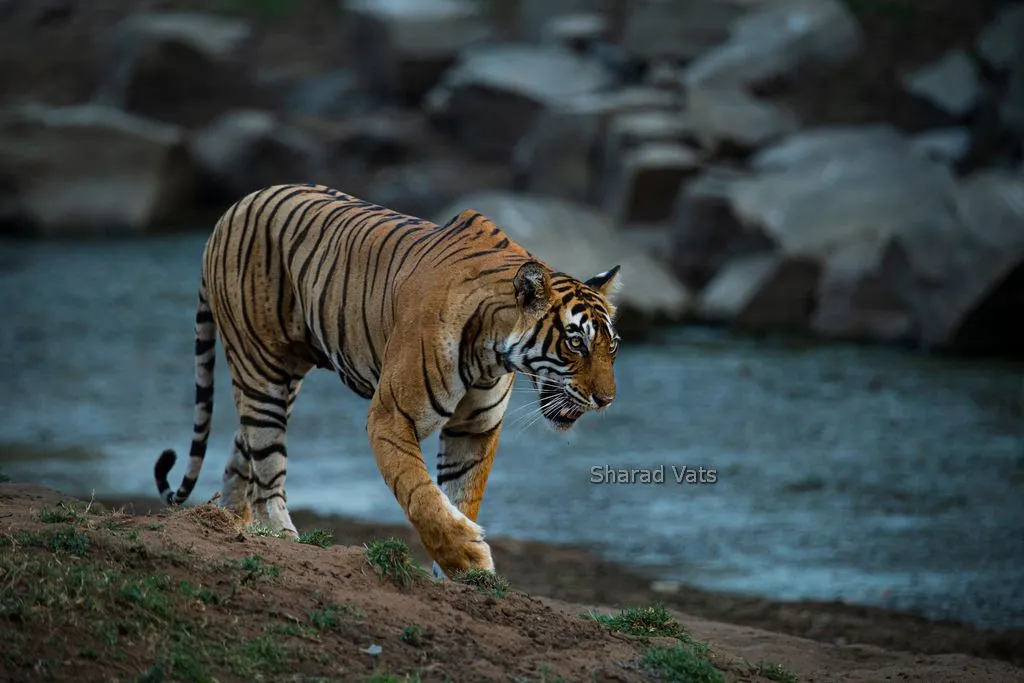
[868,475]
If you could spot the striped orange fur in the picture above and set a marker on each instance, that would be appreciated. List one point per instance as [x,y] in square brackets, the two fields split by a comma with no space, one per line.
[430,323]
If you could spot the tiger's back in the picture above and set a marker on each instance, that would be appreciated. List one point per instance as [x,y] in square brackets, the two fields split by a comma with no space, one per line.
[313,275]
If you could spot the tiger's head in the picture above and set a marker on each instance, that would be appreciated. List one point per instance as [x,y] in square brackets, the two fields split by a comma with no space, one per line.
[567,342]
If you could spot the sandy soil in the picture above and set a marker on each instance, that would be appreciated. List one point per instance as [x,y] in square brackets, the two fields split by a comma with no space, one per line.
[91,593]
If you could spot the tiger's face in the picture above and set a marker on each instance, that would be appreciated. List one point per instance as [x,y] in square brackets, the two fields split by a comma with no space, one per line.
[568,349]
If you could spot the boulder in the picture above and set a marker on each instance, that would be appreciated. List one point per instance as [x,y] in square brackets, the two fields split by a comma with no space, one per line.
[730,118]
[425,186]
[767,291]
[947,145]
[179,67]
[997,44]
[1012,109]
[951,83]
[91,170]
[582,242]
[245,150]
[646,181]
[863,197]
[535,16]
[334,95]
[679,30]
[853,303]
[706,234]
[778,39]
[816,147]
[496,93]
[560,155]
[962,281]
[832,196]
[401,48]
[577,32]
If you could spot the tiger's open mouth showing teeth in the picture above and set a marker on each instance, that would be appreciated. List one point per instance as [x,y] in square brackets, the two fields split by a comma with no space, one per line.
[559,408]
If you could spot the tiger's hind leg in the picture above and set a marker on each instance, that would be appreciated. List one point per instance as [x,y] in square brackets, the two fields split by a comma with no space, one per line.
[237,484]
[467,446]
[263,413]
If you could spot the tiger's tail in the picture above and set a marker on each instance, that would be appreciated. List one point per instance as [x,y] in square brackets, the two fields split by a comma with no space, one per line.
[206,340]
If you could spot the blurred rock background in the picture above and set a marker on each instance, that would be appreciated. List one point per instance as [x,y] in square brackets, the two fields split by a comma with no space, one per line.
[846,169]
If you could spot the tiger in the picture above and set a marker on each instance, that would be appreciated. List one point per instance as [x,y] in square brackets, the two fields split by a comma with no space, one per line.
[430,323]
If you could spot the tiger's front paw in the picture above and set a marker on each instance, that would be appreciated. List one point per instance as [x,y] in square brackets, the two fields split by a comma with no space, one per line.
[464,549]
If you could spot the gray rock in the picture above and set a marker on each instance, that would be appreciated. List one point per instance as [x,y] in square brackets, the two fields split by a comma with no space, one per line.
[837,197]
[948,145]
[561,154]
[576,32]
[815,147]
[91,170]
[646,180]
[853,302]
[706,234]
[998,42]
[425,187]
[677,29]
[402,48]
[534,16]
[1012,109]
[761,292]
[246,150]
[496,93]
[582,242]
[951,276]
[864,196]
[333,95]
[951,83]
[777,39]
[179,67]
[730,117]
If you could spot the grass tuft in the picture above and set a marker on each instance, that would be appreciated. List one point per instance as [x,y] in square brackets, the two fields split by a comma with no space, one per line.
[682,663]
[647,622]
[254,565]
[392,560]
[318,537]
[260,529]
[773,672]
[412,634]
[384,677]
[486,581]
[63,513]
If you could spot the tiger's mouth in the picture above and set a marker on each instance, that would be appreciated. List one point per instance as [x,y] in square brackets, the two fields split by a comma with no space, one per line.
[559,408]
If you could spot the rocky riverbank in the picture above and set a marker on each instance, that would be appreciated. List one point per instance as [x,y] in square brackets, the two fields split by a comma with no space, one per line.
[851,170]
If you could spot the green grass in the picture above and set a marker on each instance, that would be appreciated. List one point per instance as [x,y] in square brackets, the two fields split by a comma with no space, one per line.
[683,663]
[486,581]
[689,661]
[773,672]
[391,559]
[549,675]
[261,529]
[108,591]
[412,634]
[645,622]
[62,513]
[384,677]
[318,537]
[329,616]
[254,565]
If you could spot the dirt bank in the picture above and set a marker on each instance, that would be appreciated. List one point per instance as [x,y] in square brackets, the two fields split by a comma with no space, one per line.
[88,593]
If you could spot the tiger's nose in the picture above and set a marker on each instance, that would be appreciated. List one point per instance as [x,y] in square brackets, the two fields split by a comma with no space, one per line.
[602,400]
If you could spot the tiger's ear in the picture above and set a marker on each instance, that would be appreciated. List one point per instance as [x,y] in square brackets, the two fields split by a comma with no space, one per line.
[533,288]
[608,283]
